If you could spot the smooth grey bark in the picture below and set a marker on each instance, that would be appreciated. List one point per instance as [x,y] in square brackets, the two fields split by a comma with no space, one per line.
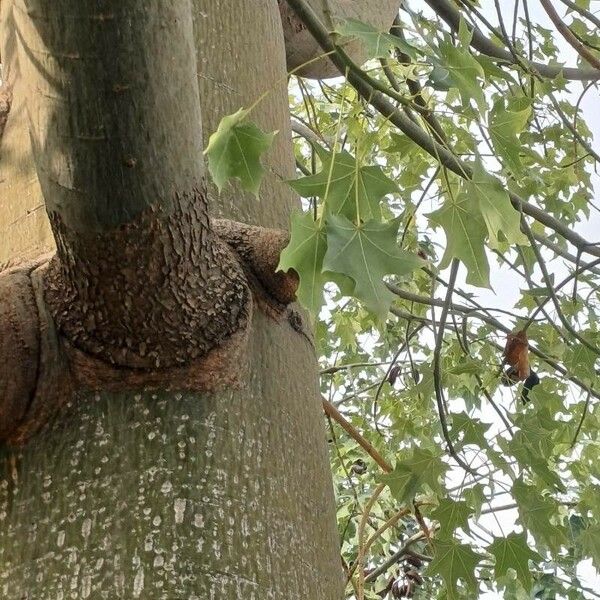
[109,87]
[105,122]
[185,495]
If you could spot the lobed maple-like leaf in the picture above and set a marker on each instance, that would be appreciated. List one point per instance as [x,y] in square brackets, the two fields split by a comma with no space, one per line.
[493,202]
[513,552]
[537,513]
[304,254]
[506,122]
[366,253]
[465,237]
[377,44]
[454,562]
[421,467]
[451,514]
[234,150]
[347,187]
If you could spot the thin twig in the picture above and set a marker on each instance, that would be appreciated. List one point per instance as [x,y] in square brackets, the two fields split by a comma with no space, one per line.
[583,12]
[337,416]
[392,560]
[385,378]
[362,84]
[437,370]
[448,12]
[552,292]
[389,523]
[583,414]
[498,325]
[360,586]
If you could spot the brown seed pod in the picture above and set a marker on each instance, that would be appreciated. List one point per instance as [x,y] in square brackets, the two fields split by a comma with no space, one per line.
[359,467]
[415,561]
[402,589]
[415,576]
[393,374]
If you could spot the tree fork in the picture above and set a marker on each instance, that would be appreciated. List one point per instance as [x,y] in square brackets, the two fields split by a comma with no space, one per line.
[41,367]
[143,290]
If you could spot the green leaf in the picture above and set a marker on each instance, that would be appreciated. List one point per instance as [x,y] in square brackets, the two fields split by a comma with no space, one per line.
[473,429]
[469,366]
[465,35]
[464,73]
[234,150]
[475,496]
[429,465]
[422,467]
[505,124]
[529,458]
[589,498]
[403,483]
[465,237]
[440,78]
[589,539]
[513,552]
[582,361]
[536,513]
[491,69]
[537,429]
[304,254]
[494,204]
[347,187]
[452,514]
[453,562]
[402,144]
[376,43]
[366,253]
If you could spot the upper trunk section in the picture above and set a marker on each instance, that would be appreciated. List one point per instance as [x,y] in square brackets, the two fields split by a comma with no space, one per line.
[115,122]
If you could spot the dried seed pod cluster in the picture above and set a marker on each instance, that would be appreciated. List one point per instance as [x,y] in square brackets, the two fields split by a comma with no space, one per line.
[406,585]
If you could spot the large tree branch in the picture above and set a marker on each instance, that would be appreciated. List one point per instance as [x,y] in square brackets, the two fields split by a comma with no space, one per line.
[140,279]
[145,290]
[583,12]
[451,15]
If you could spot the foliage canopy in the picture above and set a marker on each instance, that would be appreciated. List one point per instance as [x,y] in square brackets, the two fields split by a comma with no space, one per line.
[430,232]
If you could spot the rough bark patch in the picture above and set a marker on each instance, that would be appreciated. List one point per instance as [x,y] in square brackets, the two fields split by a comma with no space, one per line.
[160,291]
[222,367]
[259,249]
[42,366]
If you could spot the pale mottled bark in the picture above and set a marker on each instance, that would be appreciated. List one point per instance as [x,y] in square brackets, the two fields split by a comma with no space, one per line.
[167,495]
[235,69]
[194,497]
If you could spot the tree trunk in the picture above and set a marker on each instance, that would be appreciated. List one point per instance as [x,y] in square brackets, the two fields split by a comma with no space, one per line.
[24,229]
[155,493]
